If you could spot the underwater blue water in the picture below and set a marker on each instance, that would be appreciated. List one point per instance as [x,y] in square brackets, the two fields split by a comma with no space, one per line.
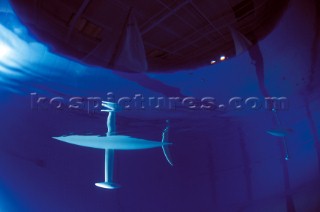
[223,160]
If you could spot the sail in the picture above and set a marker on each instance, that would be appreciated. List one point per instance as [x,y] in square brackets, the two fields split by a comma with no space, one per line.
[131,54]
[241,43]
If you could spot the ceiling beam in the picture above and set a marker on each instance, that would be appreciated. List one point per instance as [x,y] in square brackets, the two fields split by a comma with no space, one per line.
[164,17]
[76,17]
[201,33]
[206,18]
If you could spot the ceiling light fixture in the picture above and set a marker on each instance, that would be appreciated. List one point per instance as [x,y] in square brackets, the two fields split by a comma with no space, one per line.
[222,57]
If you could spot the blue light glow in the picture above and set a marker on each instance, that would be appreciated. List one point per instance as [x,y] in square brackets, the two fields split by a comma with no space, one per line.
[4,50]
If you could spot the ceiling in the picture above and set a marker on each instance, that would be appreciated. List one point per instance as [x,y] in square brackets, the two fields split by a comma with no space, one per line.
[176,35]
